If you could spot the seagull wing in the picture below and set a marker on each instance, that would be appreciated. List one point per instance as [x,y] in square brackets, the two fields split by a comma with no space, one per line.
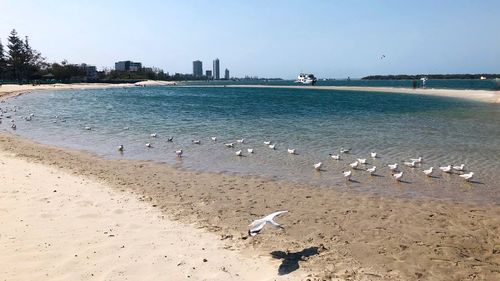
[256,226]
[271,216]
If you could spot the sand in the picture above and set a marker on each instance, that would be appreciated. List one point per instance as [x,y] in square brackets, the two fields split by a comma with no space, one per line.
[328,235]
[476,95]
[58,226]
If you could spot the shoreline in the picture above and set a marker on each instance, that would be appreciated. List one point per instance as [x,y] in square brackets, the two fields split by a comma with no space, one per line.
[358,235]
[476,95]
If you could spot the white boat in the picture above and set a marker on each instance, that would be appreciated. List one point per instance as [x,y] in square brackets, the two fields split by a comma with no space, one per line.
[306,79]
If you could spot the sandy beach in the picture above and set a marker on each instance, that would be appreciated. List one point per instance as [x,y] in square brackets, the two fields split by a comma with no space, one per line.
[476,95]
[328,235]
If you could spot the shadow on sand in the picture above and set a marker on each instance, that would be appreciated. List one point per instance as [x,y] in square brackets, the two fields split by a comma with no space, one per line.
[291,259]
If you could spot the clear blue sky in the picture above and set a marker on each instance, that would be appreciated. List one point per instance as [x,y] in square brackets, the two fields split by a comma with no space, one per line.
[267,38]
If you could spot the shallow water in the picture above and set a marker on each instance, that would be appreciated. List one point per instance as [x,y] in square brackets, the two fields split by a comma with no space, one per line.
[397,126]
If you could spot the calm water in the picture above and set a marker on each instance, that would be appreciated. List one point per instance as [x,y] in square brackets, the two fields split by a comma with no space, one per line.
[397,126]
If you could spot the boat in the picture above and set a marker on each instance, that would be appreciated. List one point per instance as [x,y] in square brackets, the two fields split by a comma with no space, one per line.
[306,79]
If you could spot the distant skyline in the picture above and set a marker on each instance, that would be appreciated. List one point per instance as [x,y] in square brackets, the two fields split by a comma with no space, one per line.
[332,39]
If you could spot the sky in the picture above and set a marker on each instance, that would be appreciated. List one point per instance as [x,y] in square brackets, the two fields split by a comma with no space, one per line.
[332,39]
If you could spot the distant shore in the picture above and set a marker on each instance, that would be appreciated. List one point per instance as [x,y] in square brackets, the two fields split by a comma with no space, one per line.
[476,95]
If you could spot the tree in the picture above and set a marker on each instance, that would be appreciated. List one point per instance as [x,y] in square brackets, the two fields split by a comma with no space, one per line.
[34,60]
[16,56]
[3,63]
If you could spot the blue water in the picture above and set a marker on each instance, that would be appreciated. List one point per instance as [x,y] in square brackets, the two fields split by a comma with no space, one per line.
[315,122]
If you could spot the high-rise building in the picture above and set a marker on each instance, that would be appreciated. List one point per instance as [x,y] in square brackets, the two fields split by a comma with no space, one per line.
[208,73]
[216,69]
[197,68]
[226,74]
[128,66]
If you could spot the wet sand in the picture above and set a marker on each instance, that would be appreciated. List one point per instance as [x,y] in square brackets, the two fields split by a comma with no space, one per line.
[328,234]
[476,95]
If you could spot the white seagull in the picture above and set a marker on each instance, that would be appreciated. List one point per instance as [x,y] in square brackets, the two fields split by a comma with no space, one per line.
[214,138]
[446,169]
[250,150]
[267,142]
[467,176]
[372,170]
[342,150]
[153,135]
[398,176]
[13,126]
[354,164]
[238,153]
[121,148]
[257,225]
[362,160]
[196,141]
[317,166]
[240,141]
[393,167]
[88,128]
[272,146]
[373,154]
[148,145]
[459,168]
[230,145]
[347,175]
[291,151]
[335,157]
[416,160]
[428,172]
[170,139]
[178,153]
[410,164]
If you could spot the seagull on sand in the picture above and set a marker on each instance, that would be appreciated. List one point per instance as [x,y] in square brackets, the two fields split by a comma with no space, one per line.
[317,166]
[238,153]
[257,225]
[347,175]
[230,145]
[214,138]
[428,172]
[153,135]
[267,142]
[362,160]
[371,170]
[148,145]
[459,168]
[393,167]
[121,148]
[373,154]
[467,176]
[291,151]
[446,169]
[170,139]
[335,156]
[410,164]
[416,160]
[178,153]
[272,146]
[398,176]
[250,150]
[196,141]
[354,164]
[240,141]
[342,150]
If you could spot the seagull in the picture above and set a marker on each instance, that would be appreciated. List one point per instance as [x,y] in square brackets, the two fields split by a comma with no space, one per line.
[393,167]
[362,161]
[428,172]
[230,145]
[398,176]
[125,128]
[335,157]
[240,141]
[382,57]
[88,128]
[373,154]
[291,151]
[272,146]
[342,150]
[214,138]
[354,164]
[13,126]
[446,169]
[267,142]
[371,170]
[347,175]
[467,177]
[196,141]
[121,148]
[317,166]
[238,153]
[416,160]
[153,135]
[178,153]
[459,168]
[170,139]
[257,225]
[148,145]
[410,164]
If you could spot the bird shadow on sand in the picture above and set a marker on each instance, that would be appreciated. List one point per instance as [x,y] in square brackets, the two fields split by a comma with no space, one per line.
[291,260]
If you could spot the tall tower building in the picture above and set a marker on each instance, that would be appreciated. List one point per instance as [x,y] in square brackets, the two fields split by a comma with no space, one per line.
[216,69]
[226,74]
[197,68]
